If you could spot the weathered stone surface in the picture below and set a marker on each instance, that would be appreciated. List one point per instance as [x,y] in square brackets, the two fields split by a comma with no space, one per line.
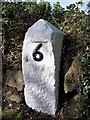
[15,79]
[41,77]
[72,109]
[71,80]
[19,80]
[10,96]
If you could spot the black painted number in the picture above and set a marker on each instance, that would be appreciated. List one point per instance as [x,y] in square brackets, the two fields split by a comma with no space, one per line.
[37,55]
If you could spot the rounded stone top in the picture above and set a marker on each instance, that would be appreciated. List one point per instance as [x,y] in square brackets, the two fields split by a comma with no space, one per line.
[41,31]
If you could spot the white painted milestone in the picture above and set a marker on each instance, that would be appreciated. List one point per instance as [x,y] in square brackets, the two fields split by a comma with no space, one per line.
[41,65]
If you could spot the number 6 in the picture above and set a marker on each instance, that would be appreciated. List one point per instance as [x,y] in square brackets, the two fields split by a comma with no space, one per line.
[37,55]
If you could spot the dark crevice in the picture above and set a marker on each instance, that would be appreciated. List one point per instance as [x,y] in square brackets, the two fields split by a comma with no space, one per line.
[70,95]
[66,61]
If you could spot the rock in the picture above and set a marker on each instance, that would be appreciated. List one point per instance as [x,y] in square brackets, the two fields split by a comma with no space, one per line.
[41,65]
[15,98]
[71,80]
[72,109]
[15,79]
[11,83]
[10,96]
[19,81]
[9,73]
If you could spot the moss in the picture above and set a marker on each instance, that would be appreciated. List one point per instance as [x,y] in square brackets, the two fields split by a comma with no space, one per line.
[19,116]
[12,114]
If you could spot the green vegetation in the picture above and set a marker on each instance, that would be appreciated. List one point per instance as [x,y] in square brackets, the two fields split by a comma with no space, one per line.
[12,114]
[16,18]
